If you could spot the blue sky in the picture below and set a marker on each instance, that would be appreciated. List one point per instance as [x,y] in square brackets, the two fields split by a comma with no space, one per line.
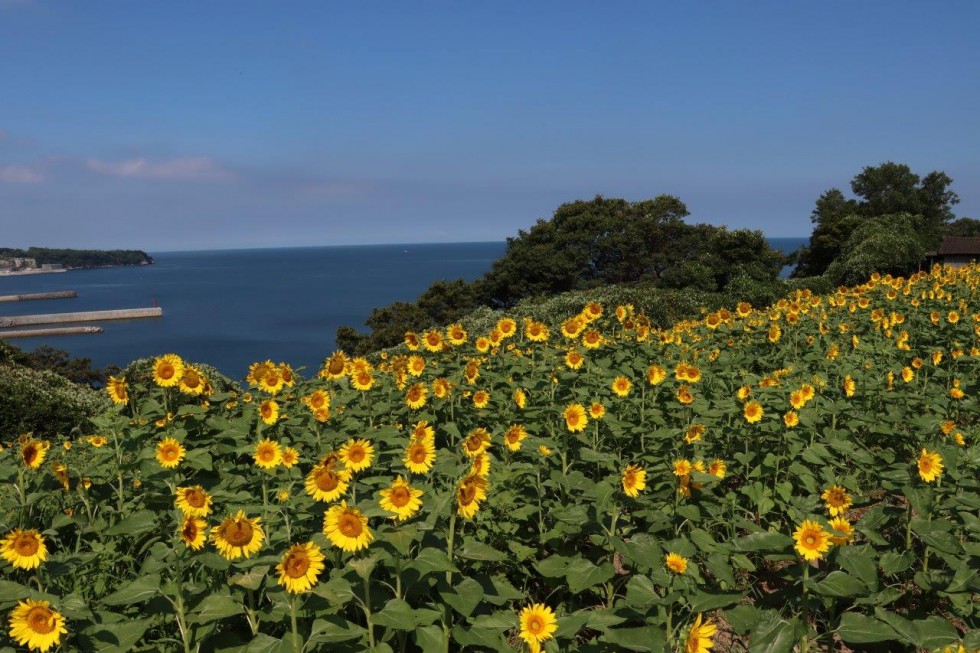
[189,125]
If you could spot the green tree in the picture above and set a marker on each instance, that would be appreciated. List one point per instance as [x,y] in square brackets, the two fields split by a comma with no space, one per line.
[963,228]
[889,244]
[886,189]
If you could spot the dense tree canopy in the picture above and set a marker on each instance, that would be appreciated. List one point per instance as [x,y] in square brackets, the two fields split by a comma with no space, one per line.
[886,189]
[587,244]
[963,228]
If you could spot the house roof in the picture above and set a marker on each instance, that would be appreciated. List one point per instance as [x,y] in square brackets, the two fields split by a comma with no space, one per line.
[959,246]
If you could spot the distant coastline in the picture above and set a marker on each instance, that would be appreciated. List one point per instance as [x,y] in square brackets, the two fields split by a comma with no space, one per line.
[42,260]
[15,273]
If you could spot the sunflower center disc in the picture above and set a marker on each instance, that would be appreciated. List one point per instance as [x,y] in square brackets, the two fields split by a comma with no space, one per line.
[418,455]
[349,525]
[238,533]
[40,620]
[355,455]
[194,498]
[26,545]
[399,496]
[297,564]
[326,481]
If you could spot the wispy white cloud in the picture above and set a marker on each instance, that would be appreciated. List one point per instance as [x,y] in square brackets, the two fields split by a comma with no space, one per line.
[18,174]
[187,169]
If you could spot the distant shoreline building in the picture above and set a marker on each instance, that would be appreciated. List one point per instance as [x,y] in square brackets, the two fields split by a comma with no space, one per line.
[955,251]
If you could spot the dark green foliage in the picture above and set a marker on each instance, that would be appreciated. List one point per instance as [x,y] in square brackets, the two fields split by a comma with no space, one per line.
[44,403]
[963,228]
[80,258]
[46,358]
[887,189]
[587,245]
[889,244]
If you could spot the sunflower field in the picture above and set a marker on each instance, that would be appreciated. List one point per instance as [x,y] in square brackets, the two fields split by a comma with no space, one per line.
[798,477]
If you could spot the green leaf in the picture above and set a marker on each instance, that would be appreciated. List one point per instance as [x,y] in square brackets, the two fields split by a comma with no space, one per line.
[397,614]
[859,562]
[763,541]
[773,634]
[476,550]
[117,637]
[905,628]
[604,619]
[142,521]
[553,566]
[705,601]
[495,621]
[333,629]
[251,579]
[464,597]
[856,628]
[644,638]
[582,574]
[431,560]
[840,584]
[140,590]
[215,607]
[640,592]
[895,563]
[431,639]
[337,591]
[743,618]
[570,624]
[935,632]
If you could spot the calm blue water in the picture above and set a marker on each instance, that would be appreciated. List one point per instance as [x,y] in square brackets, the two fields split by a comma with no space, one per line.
[232,307]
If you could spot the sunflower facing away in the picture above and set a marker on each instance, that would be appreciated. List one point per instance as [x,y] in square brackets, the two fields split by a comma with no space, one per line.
[24,549]
[930,466]
[634,480]
[267,454]
[193,501]
[300,567]
[538,625]
[812,541]
[676,563]
[401,499]
[699,637]
[357,454]
[346,528]
[192,532]
[35,625]
[169,453]
[167,370]
[238,536]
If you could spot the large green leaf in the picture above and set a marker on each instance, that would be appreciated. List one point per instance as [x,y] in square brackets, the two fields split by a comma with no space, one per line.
[140,590]
[215,607]
[856,628]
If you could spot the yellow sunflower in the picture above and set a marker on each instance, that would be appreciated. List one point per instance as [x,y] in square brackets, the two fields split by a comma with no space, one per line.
[416,396]
[536,331]
[420,456]
[334,367]
[753,412]
[238,536]
[300,567]
[432,341]
[849,386]
[267,454]
[471,491]
[481,398]
[401,499]
[476,442]
[347,527]
[423,430]
[35,625]
[597,410]
[841,525]
[33,452]
[167,370]
[117,389]
[456,334]
[791,419]
[520,398]
[192,532]
[289,457]
[514,436]
[357,454]
[621,386]
[676,563]
[193,501]
[718,468]
[574,359]
[507,327]
[269,411]
[362,380]
[682,467]
[634,480]
[592,339]
[575,417]
[192,382]
[24,549]
[836,499]
[684,395]
[812,541]
[694,433]
[441,387]
[699,636]
[656,375]
[169,453]
[930,466]
[325,484]
[538,624]
[412,341]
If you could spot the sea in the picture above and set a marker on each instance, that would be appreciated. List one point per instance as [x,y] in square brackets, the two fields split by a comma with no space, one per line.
[229,308]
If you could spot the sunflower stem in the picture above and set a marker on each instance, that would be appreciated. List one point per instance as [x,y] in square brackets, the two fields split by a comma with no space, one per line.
[450,537]
[804,644]
[367,612]
[297,646]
